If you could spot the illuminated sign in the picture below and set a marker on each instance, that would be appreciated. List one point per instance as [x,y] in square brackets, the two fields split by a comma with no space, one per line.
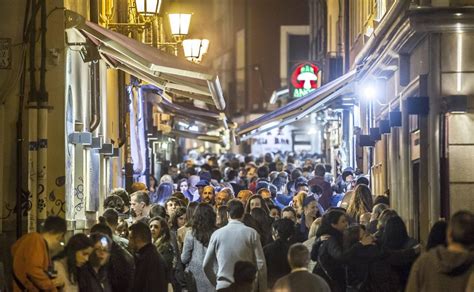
[305,77]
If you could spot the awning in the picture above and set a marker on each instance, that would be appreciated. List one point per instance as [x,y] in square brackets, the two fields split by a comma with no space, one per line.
[168,72]
[298,109]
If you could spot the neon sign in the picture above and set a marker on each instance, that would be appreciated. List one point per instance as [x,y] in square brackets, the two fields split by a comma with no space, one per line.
[305,78]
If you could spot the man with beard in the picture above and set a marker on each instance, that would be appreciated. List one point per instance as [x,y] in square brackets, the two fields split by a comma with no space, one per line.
[222,197]
[94,275]
[150,272]
[207,195]
[140,206]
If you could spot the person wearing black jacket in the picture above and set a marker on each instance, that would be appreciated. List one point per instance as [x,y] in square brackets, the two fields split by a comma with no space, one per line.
[121,265]
[93,276]
[328,250]
[276,252]
[150,273]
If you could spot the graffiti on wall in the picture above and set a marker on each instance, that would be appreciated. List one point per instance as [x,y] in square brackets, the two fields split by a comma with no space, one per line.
[55,203]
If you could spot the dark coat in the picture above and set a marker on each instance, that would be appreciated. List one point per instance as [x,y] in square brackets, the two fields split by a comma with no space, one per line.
[121,269]
[325,199]
[387,272]
[330,258]
[90,281]
[150,271]
[277,261]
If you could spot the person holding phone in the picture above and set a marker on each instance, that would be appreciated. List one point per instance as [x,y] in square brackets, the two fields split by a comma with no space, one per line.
[33,268]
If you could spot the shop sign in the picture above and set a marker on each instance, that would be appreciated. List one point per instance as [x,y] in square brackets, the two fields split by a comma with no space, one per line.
[305,77]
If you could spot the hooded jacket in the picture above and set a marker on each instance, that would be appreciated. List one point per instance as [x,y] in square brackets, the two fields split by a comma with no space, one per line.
[441,270]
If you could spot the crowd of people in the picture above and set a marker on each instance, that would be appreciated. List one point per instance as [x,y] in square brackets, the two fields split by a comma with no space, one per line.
[234,224]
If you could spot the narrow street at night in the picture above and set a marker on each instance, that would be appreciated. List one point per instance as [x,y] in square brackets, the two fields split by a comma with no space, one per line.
[237,145]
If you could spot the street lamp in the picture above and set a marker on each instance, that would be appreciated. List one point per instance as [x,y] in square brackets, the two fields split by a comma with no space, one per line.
[179,23]
[148,7]
[194,49]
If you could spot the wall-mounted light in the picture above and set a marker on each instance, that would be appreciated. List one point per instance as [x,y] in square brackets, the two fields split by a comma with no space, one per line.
[455,103]
[384,126]
[148,7]
[417,105]
[179,23]
[395,119]
[194,49]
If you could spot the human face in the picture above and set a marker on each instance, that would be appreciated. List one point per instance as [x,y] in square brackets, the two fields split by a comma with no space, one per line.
[341,224]
[310,209]
[171,207]
[221,198]
[274,213]
[297,205]
[207,195]
[82,256]
[183,186]
[136,206]
[251,172]
[265,194]
[289,215]
[255,203]
[101,253]
[181,220]
[243,197]
[155,229]
[303,189]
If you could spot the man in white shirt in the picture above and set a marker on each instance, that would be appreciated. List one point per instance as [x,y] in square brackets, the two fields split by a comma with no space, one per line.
[230,244]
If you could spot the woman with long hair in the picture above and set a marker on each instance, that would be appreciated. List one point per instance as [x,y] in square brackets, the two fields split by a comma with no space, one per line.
[276,251]
[161,238]
[328,250]
[195,247]
[256,201]
[75,255]
[395,239]
[361,202]
[181,234]
[264,223]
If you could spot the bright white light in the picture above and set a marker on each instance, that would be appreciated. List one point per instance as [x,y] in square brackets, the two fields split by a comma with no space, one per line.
[459,62]
[194,128]
[369,92]
[313,131]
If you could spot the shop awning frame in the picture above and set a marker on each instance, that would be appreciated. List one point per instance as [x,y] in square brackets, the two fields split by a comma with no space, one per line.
[155,66]
[300,108]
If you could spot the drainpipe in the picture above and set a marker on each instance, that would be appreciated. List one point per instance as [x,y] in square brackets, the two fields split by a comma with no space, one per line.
[19,133]
[94,77]
[347,53]
[32,127]
[42,124]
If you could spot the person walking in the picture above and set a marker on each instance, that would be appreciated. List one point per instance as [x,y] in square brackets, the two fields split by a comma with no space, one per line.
[150,272]
[231,243]
[300,279]
[447,268]
[195,247]
[74,256]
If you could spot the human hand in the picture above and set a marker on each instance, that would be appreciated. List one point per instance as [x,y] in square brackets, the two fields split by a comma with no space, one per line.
[324,237]
[58,282]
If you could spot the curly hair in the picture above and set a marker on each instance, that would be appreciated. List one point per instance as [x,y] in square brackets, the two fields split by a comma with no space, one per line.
[204,223]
